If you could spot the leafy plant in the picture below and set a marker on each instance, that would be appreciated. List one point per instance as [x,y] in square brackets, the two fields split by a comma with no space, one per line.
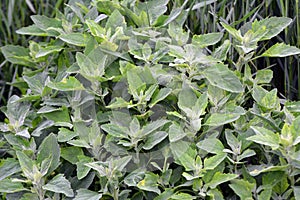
[122,103]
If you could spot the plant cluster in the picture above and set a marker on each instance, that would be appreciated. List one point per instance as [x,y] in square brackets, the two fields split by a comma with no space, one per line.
[122,102]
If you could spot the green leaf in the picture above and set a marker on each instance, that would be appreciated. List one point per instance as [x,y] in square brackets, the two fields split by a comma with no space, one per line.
[153,126]
[296,190]
[220,76]
[207,39]
[256,170]
[115,130]
[265,137]
[84,194]
[235,33]
[116,19]
[59,184]
[154,9]
[242,188]
[230,114]
[182,196]
[66,84]
[32,30]
[26,164]
[9,186]
[71,154]
[48,50]
[49,145]
[220,178]
[149,183]
[77,39]
[281,50]
[185,155]
[46,23]
[274,25]
[58,115]
[83,170]
[212,162]
[9,167]
[263,76]
[65,135]
[211,145]
[186,99]
[154,139]
[176,133]
[161,95]
[221,52]
[17,55]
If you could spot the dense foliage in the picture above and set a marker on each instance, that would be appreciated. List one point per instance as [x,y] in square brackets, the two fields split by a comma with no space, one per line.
[123,102]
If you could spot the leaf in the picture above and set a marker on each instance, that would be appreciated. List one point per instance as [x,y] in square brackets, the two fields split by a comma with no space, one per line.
[66,84]
[26,164]
[65,135]
[221,52]
[71,154]
[207,39]
[153,126]
[256,170]
[220,178]
[235,33]
[203,4]
[281,50]
[211,145]
[48,147]
[59,184]
[149,183]
[154,139]
[154,9]
[9,186]
[263,76]
[296,190]
[220,76]
[48,50]
[83,170]
[17,55]
[212,162]
[115,130]
[242,188]
[116,19]
[274,25]
[265,137]
[45,23]
[84,194]
[32,30]
[77,39]
[9,167]
[230,114]
[185,155]
[176,133]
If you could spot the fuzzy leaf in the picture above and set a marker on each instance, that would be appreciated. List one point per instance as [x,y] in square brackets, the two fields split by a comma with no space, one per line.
[220,178]
[66,84]
[265,137]
[220,76]
[207,39]
[84,194]
[281,50]
[59,184]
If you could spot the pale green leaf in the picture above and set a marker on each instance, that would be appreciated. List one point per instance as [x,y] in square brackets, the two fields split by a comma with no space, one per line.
[9,167]
[9,186]
[220,76]
[242,188]
[84,194]
[211,145]
[59,184]
[77,39]
[220,178]
[207,39]
[281,50]
[66,84]
[265,137]
[212,162]
[149,183]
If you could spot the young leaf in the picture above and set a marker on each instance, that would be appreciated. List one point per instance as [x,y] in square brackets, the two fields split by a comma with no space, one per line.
[214,161]
[26,164]
[281,50]
[59,184]
[220,76]
[221,52]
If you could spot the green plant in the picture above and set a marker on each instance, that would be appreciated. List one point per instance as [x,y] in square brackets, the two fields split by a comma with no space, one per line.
[122,103]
